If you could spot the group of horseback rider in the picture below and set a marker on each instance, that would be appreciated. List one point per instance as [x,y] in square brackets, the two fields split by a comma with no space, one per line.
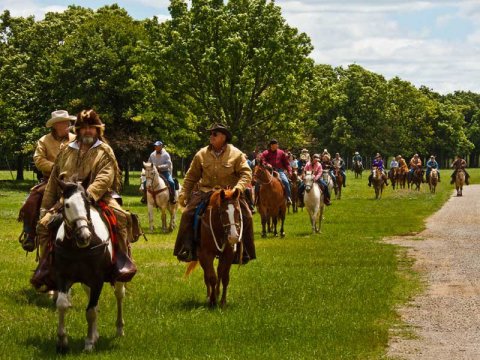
[416,163]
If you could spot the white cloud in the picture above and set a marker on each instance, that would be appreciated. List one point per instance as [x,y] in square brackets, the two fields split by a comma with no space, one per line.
[369,34]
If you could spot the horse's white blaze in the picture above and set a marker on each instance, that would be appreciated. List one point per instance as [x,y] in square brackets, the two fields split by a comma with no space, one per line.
[101,229]
[61,232]
[231,219]
[75,209]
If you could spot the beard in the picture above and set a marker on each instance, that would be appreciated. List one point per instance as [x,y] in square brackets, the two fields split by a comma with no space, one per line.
[88,140]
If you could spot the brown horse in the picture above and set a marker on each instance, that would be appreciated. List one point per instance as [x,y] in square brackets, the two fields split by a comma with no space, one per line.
[357,169]
[392,176]
[378,182]
[29,214]
[220,236]
[294,191]
[416,179]
[271,203]
[401,177]
[433,180]
[338,182]
[459,181]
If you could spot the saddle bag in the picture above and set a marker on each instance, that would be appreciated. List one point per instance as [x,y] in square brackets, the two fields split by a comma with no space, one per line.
[137,230]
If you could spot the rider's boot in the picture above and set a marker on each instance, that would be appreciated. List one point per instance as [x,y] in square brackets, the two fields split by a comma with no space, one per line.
[289,201]
[370,180]
[467,179]
[452,180]
[344,180]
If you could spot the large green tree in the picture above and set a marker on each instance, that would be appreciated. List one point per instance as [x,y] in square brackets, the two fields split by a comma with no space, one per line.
[238,63]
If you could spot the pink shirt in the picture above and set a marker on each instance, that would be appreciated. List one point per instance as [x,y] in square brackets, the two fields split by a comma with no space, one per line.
[315,168]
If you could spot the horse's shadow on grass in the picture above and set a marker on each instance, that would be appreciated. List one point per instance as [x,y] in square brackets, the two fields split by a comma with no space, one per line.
[196,304]
[32,297]
[46,345]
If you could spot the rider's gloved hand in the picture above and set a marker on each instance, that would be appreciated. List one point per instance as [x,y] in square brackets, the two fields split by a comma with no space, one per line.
[182,200]
[45,217]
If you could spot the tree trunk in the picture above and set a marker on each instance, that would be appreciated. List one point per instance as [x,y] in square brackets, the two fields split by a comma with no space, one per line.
[20,167]
[126,171]
[473,160]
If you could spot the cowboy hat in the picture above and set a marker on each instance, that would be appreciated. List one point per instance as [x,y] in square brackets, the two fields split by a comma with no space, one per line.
[356,152]
[273,141]
[59,116]
[304,151]
[221,128]
[158,143]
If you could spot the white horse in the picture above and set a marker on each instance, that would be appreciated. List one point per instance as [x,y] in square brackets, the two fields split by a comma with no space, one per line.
[313,199]
[158,196]
[328,180]
[83,253]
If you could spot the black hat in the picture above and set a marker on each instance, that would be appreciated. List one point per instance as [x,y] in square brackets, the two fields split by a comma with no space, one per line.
[221,128]
[273,141]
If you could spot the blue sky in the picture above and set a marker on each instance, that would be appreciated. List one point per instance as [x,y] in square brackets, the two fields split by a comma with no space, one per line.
[433,43]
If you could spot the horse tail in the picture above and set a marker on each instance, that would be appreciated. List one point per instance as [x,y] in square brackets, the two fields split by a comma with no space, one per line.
[190,267]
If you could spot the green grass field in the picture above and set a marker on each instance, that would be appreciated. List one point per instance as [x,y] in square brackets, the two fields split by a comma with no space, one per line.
[327,296]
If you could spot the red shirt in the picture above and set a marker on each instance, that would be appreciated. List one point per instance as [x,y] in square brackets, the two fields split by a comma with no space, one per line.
[277,159]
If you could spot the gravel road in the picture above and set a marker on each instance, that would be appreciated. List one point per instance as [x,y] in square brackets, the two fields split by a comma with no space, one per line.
[445,319]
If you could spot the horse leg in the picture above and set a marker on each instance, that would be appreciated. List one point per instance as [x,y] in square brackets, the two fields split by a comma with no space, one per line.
[164,220]
[264,222]
[320,217]
[223,271]
[63,304]
[274,225]
[91,315]
[282,221]
[119,295]
[150,215]
[172,211]
[209,276]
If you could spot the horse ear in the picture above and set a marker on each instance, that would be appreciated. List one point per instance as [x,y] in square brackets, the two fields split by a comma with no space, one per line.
[236,193]
[61,183]
[145,164]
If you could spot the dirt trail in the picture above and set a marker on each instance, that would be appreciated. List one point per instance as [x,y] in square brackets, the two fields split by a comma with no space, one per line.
[446,318]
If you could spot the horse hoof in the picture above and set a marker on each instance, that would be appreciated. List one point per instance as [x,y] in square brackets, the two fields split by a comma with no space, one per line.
[88,348]
[120,332]
[282,235]
[264,235]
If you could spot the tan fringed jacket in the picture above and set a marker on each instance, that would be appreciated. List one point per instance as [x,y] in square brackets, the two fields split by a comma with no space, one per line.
[98,165]
[230,169]
[47,151]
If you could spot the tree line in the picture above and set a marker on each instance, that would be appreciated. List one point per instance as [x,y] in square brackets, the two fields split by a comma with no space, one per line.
[238,63]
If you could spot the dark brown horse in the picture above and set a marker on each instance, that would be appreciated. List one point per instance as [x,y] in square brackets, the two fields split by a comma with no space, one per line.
[295,181]
[357,168]
[338,182]
[416,179]
[220,236]
[29,214]
[392,176]
[271,204]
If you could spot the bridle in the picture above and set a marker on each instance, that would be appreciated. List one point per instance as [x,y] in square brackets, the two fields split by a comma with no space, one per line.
[226,225]
[264,170]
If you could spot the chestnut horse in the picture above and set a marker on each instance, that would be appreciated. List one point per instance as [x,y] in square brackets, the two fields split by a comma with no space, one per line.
[401,177]
[459,181]
[433,180]
[392,176]
[271,203]
[220,236]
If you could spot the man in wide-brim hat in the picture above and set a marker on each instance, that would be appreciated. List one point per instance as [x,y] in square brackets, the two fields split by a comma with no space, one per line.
[432,164]
[49,145]
[219,165]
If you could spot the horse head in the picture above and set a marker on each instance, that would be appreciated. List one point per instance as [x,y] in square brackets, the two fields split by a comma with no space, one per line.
[308,181]
[226,204]
[76,213]
[152,176]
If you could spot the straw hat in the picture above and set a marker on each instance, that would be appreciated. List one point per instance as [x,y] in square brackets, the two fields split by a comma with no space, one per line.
[59,116]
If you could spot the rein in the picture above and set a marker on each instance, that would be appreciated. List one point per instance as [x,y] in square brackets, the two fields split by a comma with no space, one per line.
[221,249]
[271,178]
[155,184]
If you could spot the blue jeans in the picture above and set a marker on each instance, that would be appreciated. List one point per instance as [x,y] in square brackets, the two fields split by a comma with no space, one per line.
[169,178]
[284,179]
